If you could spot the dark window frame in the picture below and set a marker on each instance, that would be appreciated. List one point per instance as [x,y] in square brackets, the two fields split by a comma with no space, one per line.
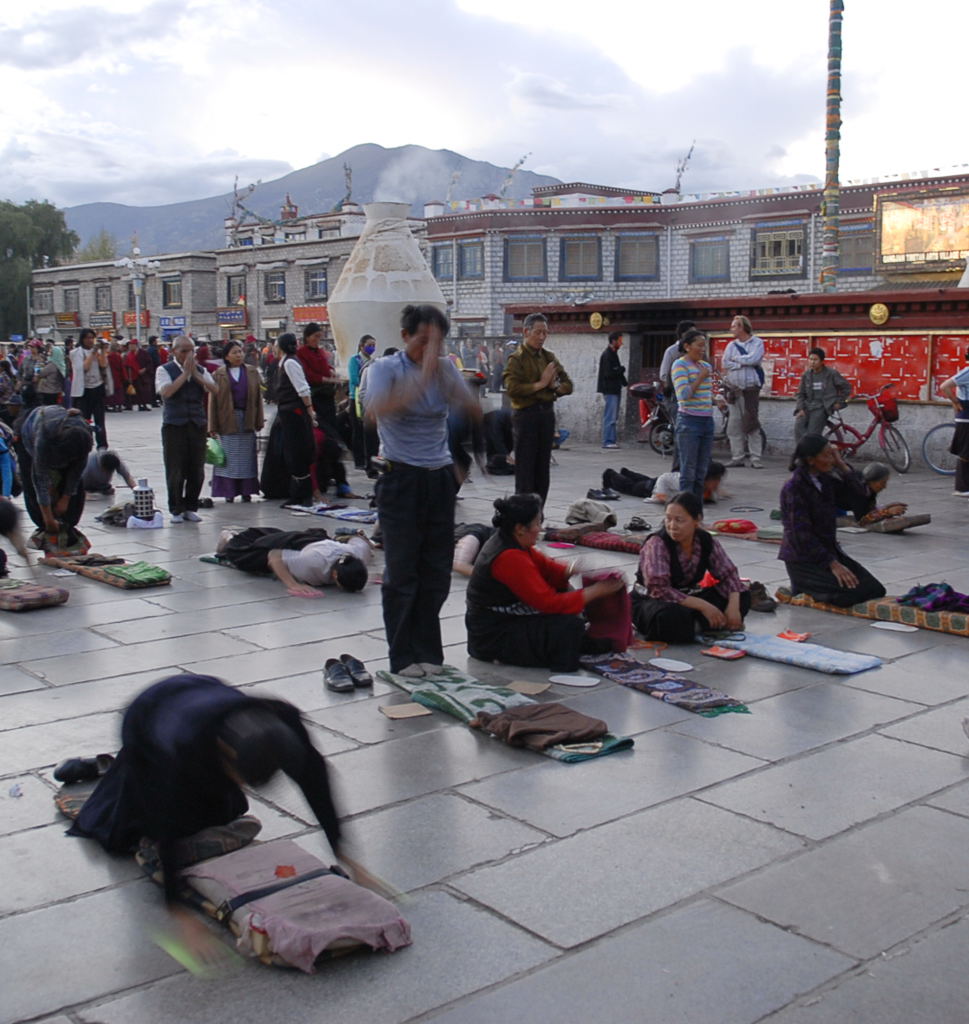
[309,293]
[638,237]
[442,262]
[853,233]
[782,232]
[99,302]
[71,300]
[700,245]
[464,249]
[516,241]
[171,295]
[274,286]
[568,240]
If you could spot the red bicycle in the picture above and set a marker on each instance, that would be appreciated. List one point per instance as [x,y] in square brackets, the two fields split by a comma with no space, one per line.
[884,412]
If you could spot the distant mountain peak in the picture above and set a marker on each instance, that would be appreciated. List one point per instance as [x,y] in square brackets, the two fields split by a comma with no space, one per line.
[409,174]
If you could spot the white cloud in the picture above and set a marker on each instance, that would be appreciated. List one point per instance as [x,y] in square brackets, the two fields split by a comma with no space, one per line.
[154,102]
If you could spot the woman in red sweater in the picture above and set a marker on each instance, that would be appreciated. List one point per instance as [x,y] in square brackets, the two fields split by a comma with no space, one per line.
[521,610]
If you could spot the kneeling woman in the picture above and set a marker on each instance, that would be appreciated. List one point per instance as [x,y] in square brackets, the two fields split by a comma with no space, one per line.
[815,562]
[675,595]
[521,610]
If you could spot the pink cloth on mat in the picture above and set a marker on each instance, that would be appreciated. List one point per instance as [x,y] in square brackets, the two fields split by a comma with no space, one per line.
[302,920]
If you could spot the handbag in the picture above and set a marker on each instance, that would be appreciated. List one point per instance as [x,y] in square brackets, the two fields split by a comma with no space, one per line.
[130,389]
[214,452]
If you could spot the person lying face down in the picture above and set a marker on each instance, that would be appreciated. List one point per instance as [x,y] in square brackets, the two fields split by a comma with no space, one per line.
[303,560]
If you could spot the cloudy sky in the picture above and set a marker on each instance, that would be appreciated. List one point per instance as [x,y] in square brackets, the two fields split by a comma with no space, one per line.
[147,103]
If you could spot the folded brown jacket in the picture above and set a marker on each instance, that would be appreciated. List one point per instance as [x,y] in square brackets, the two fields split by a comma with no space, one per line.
[540,725]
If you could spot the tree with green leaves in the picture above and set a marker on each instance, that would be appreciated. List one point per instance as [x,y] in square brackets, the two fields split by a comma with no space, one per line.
[32,234]
[102,246]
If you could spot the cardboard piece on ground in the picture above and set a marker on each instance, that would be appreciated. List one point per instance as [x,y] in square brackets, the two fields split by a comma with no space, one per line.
[527,688]
[406,710]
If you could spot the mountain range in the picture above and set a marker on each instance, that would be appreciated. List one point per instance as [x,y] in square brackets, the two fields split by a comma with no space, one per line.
[410,174]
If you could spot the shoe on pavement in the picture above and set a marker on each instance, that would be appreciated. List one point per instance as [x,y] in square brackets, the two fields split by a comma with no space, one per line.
[191,517]
[176,518]
[412,671]
[736,462]
[760,600]
[756,464]
[960,494]
[358,671]
[611,447]
[337,676]
[431,669]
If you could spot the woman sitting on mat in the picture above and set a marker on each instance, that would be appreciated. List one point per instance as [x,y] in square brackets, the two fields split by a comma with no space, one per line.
[685,580]
[521,610]
[815,562]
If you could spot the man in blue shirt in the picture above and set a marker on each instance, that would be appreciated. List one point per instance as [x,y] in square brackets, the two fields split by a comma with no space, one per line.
[410,394]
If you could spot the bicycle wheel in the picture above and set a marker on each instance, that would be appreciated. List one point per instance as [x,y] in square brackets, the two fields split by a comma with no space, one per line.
[661,438]
[896,450]
[935,449]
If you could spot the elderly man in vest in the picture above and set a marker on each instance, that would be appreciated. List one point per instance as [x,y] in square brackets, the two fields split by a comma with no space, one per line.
[181,384]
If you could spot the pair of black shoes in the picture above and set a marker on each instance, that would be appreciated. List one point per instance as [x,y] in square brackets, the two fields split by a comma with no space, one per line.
[345,674]
[626,481]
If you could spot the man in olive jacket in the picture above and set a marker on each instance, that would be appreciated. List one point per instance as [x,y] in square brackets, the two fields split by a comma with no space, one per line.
[534,379]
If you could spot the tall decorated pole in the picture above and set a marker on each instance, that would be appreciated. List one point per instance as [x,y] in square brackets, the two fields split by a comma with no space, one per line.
[831,206]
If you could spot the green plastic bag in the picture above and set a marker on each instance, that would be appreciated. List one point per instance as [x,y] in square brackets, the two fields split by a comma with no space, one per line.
[214,453]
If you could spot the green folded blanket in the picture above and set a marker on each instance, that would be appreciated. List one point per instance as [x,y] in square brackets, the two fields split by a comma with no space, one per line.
[141,574]
[462,696]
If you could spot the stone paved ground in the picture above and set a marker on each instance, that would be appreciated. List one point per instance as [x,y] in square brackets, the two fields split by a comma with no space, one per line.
[805,863]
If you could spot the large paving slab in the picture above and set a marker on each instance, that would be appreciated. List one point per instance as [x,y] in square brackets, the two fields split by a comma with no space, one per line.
[823,793]
[924,983]
[457,949]
[576,889]
[869,890]
[661,766]
[689,967]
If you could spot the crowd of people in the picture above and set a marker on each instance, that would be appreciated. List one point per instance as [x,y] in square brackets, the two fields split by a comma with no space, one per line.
[522,607]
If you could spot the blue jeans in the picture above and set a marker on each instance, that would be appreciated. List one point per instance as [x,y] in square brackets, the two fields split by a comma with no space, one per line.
[610,417]
[694,442]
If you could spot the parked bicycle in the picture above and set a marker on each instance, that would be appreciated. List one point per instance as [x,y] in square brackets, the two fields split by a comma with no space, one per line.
[655,427]
[884,412]
[935,449]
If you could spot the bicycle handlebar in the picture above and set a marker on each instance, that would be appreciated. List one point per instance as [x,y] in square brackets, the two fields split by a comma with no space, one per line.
[884,387]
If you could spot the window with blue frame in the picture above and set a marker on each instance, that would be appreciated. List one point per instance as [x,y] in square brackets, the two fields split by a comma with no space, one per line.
[275,285]
[709,260]
[580,258]
[315,283]
[470,260]
[525,258]
[637,256]
[442,262]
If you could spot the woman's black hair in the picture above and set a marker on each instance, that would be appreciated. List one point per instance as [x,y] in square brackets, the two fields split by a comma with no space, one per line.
[9,518]
[351,574]
[259,745]
[518,510]
[73,442]
[691,335]
[716,471]
[689,502]
[391,350]
[809,446]
[86,332]
[412,318]
[287,344]
[819,352]
[311,329]
[228,347]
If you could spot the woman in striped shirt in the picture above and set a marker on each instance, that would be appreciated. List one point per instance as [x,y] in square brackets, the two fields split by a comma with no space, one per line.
[692,382]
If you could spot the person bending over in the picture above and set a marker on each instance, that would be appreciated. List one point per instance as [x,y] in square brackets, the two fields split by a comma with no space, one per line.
[520,608]
[302,560]
[99,471]
[815,562]
[189,745]
[686,582]
[858,493]
[52,446]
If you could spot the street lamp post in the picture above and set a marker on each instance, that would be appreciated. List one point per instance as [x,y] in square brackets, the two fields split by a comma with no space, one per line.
[138,267]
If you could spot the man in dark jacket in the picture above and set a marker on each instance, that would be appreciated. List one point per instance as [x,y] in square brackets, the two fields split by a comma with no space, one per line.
[612,379]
